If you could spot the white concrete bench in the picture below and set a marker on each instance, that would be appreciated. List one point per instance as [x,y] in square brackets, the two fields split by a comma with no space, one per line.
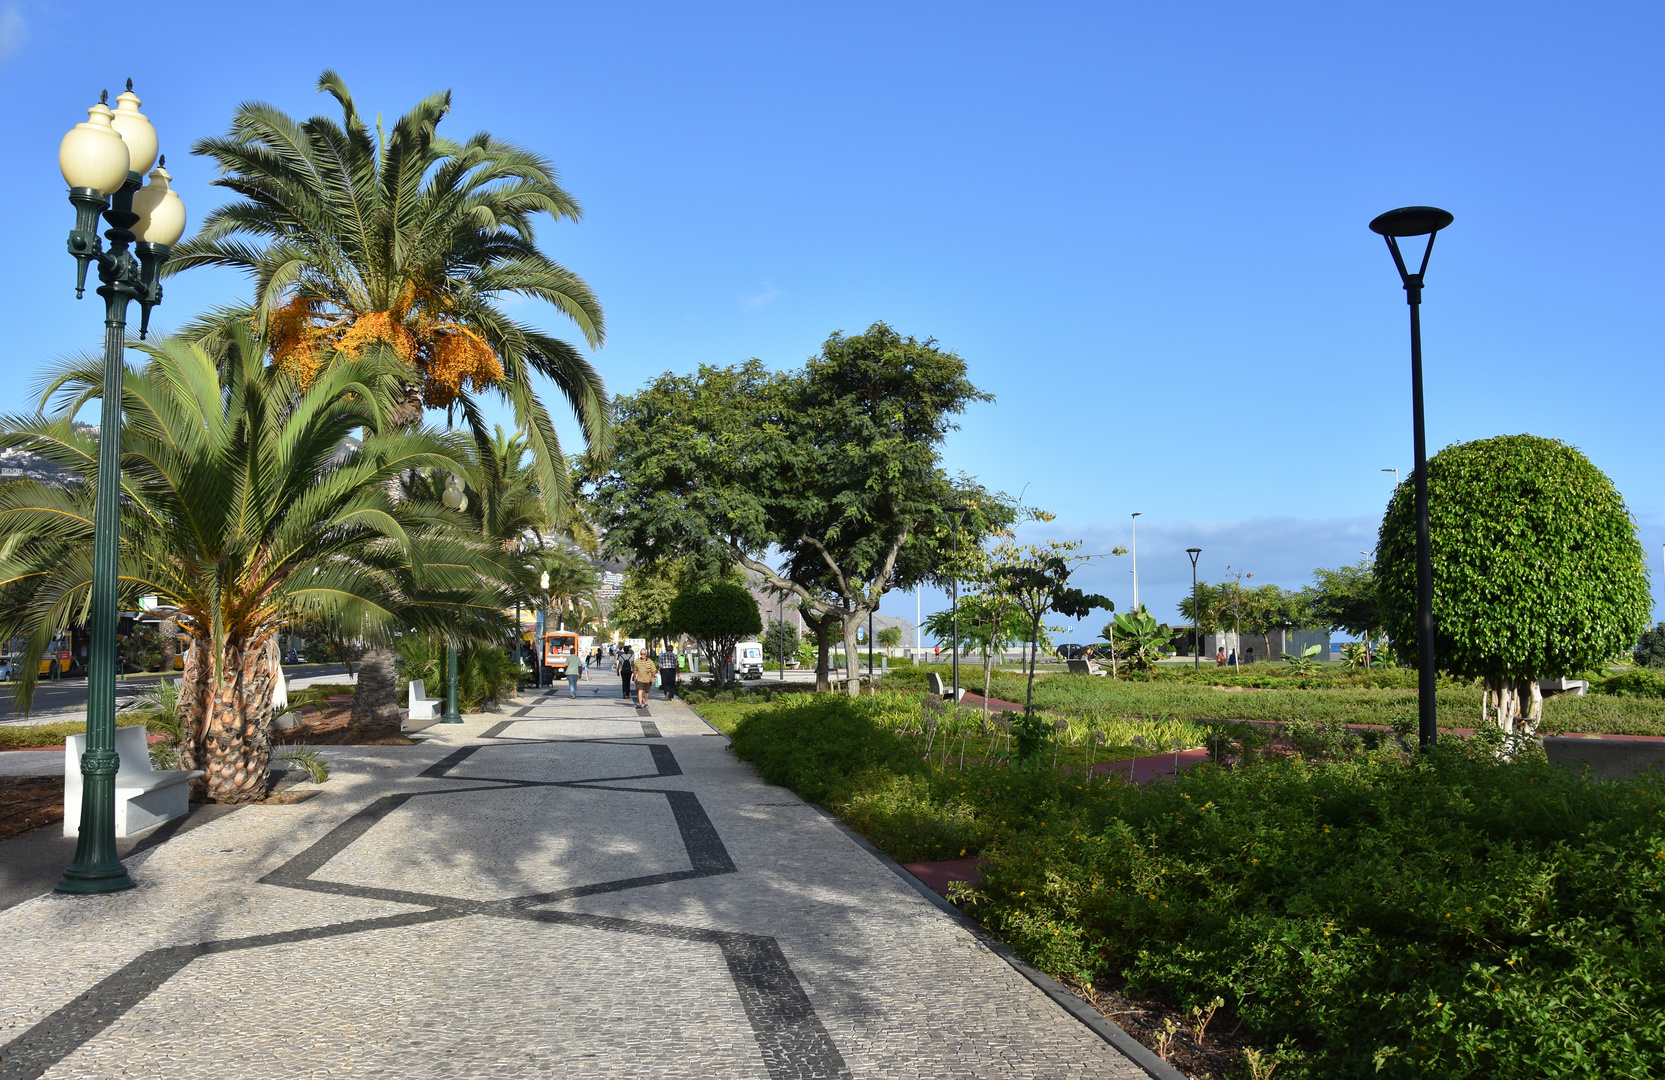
[144,797]
[422,707]
[941,691]
[1084,667]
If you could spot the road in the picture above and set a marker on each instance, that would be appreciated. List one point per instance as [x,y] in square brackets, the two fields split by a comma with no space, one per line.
[70,694]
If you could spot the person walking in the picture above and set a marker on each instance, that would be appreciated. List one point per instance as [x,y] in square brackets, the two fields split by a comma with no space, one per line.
[1220,657]
[575,668]
[667,671]
[621,664]
[642,668]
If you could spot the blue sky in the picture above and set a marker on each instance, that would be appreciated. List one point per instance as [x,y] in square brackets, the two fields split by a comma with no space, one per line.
[1143,226]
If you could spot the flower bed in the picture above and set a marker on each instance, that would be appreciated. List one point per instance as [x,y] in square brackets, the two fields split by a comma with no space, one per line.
[1387,915]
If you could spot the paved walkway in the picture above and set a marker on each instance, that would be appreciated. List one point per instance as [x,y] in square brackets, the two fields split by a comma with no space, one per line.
[576,889]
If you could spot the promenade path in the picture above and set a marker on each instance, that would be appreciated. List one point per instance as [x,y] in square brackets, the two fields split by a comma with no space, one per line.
[574,888]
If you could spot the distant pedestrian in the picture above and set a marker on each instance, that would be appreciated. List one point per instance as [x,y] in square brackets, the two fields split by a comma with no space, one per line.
[667,672]
[1220,657]
[642,668]
[622,666]
[1232,659]
[575,667]
[1251,655]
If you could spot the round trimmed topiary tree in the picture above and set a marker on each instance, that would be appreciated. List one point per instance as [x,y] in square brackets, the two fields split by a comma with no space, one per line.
[716,616]
[1537,569]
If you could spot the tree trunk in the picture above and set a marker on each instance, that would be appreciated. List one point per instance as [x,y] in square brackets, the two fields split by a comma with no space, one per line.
[823,646]
[852,651]
[376,697]
[407,412]
[226,721]
[1508,696]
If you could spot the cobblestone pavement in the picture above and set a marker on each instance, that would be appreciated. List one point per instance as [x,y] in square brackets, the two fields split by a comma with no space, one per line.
[575,889]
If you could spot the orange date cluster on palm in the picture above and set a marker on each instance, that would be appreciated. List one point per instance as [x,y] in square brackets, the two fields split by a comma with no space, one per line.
[449,356]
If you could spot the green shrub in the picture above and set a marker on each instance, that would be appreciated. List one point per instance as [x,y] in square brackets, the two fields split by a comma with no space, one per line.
[1638,682]
[1383,915]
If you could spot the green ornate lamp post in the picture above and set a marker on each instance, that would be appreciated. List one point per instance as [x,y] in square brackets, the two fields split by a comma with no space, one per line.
[453,497]
[104,161]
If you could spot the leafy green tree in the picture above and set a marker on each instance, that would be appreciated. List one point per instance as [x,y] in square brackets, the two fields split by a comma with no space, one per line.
[244,507]
[1345,599]
[1037,581]
[889,637]
[833,468]
[781,641]
[716,615]
[1537,569]
[354,237]
[1650,650]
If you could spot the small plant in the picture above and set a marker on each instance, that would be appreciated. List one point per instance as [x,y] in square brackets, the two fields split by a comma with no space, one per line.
[1260,1065]
[160,707]
[315,767]
[1200,1018]
[1306,662]
[1030,728]
[1165,1037]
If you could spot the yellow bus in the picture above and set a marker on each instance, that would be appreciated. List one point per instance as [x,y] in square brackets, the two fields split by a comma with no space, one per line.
[55,661]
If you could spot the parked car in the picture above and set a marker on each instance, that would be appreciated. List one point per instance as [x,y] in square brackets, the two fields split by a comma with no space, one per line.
[1072,651]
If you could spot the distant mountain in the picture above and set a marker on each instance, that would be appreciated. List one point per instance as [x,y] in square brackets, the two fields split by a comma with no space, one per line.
[18,463]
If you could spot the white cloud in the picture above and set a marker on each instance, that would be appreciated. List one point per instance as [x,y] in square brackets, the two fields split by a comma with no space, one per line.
[13,32]
[752,303]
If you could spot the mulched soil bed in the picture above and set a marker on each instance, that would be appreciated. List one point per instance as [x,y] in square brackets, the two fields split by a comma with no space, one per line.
[1217,1055]
[331,727]
[30,802]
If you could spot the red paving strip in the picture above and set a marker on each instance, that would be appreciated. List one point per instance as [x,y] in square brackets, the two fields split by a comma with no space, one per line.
[938,875]
[973,698]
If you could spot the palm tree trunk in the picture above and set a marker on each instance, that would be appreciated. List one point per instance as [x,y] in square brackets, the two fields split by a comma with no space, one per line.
[376,697]
[227,718]
[407,412]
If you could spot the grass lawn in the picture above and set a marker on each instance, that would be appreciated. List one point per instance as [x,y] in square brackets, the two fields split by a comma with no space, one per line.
[39,735]
[1378,915]
[1278,694]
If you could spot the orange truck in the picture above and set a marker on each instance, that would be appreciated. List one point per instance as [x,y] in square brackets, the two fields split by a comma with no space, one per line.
[559,646]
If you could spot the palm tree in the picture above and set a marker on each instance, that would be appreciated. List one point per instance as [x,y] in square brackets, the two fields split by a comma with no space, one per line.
[245,503]
[355,237]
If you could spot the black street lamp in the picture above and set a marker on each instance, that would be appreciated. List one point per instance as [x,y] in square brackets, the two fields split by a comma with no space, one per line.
[780,621]
[1196,613]
[104,161]
[958,513]
[1410,221]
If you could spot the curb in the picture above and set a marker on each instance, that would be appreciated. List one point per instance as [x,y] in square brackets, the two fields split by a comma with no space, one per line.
[1100,1025]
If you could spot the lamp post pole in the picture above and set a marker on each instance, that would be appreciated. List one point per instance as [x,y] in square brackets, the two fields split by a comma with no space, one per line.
[1196,613]
[451,715]
[1133,549]
[780,621]
[107,156]
[954,583]
[1412,221]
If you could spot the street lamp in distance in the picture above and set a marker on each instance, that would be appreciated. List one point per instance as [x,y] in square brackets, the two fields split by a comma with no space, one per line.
[1408,223]
[1196,613]
[1395,473]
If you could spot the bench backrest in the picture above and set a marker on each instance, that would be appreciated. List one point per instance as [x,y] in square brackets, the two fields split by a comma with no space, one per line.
[934,680]
[131,746]
[418,691]
[1079,667]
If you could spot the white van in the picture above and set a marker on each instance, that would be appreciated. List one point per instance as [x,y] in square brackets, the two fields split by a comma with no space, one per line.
[748,660]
